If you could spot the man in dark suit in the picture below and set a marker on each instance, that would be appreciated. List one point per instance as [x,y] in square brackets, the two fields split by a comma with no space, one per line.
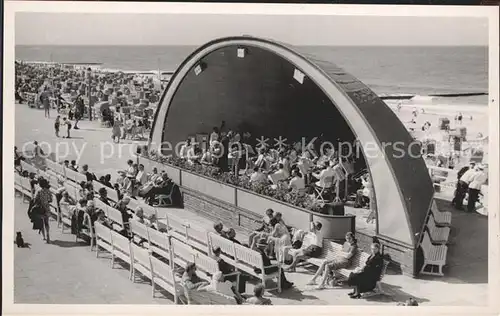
[229,272]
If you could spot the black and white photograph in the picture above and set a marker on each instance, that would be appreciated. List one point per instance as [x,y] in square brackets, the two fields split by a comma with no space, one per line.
[182,155]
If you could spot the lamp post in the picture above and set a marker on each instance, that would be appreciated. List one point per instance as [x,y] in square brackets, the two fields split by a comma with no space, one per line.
[89,92]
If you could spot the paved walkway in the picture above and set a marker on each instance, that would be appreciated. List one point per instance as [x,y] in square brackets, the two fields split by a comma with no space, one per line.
[67,272]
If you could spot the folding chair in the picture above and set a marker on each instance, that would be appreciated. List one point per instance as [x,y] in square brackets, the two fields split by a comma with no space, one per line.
[321,190]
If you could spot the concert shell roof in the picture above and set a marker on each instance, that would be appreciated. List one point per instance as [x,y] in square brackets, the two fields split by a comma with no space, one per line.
[251,89]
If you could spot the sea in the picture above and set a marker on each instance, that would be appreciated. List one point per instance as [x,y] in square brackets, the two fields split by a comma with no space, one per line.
[389,70]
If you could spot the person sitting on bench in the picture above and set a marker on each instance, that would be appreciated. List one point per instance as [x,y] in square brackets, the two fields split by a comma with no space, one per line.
[349,249]
[264,228]
[365,279]
[312,251]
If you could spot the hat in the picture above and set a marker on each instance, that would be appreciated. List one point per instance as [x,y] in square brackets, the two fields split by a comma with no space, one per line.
[129,175]
[121,172]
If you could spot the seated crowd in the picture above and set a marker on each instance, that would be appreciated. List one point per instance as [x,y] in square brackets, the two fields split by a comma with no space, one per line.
[285,167]
[271,239]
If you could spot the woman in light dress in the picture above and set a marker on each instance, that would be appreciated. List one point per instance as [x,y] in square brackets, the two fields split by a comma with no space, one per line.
[349,249]
[279,237]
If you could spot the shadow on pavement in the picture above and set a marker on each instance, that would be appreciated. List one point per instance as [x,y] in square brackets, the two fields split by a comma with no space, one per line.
[68,244]
[394,294]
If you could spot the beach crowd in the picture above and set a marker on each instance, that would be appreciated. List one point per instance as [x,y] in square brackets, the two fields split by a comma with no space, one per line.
[125,102]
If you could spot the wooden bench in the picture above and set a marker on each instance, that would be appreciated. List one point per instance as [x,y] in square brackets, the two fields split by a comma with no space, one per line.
[378,290]
[87,229]
[208,267]
[197,238]
[227,247]
[159,244]
[247,260]
[28,167]
[19,185]
[116,217]
[439,235]
[103,238]
[182,253]
[66,214]
[140,233]
[96,185]
[55,167]
[74,176]
[164,277]
[141,262]
[434,256]
[121,250]
[176,227]
[72,190]
[441,218]
[327,252]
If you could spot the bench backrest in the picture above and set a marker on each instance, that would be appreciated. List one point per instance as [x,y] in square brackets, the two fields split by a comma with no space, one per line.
[133,204]
[141,256]
[307,240]
[30,168]
[101,206]
[103,233]
[359,259]
[226,246]
[159,239]
[197,234]
[112,195]
[149,210]
[57,168]
[164,272]
[206,264]
[66,209]
[25,183]
[18,180]
[71,189]
[330,250]
[177,225]
[115,215]
[75,176]
[384,269]
[98,185]
[121,243]
[139,229]
[431,224]
[248,256]
[426,243]
[182,251]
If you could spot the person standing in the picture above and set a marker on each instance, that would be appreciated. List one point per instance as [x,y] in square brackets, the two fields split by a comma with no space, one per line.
[478,179]
[68,126]
[116,131]
[45,99]
[79,108]
[462,187]
[43,198]
[57,124]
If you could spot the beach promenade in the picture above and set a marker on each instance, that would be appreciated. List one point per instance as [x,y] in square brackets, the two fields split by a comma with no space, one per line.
[68,272]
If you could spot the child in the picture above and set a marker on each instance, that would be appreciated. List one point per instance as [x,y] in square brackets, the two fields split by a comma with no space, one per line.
[57,123]
[116,132]
[68,125]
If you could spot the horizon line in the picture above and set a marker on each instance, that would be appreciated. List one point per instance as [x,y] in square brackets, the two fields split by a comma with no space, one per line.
[314,45]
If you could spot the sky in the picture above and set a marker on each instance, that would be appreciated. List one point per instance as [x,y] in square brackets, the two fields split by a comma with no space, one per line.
[191,29]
